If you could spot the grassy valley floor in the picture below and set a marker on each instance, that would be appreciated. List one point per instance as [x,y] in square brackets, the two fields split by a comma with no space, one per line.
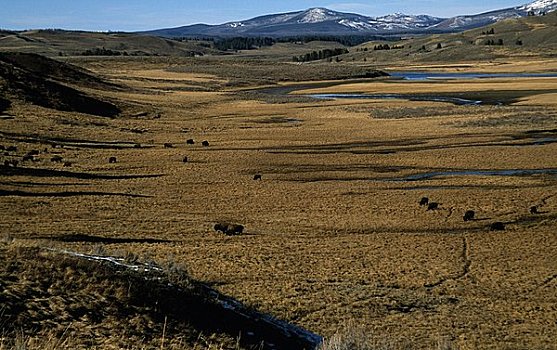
[334,232]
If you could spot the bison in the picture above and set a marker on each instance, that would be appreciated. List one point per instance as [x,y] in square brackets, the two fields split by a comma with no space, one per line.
[190,141]
[168,145]
[185,160]
[229,229]
[424,201]
[257,177]
[433,206]
[497,226]
[67,164]
[56,159]
[11,148]
[205,143]
[469,215]
[534,210]
[12,163]
[112,160]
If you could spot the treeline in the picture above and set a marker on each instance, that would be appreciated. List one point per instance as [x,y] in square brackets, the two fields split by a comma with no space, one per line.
[493,42]
[319,55]
[243,43]
[103,52]
[386,47]
[250,43]
[489,32]
[346,40]
[108,52]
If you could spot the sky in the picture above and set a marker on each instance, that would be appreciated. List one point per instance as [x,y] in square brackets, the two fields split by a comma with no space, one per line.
[137,15]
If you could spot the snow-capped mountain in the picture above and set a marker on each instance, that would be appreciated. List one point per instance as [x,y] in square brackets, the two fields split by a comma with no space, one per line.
[322,21]
[540,6]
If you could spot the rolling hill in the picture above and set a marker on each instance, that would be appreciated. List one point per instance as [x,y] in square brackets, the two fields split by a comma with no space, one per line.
[76,43]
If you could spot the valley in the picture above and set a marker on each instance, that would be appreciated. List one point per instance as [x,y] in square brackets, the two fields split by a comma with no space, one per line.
[138,157]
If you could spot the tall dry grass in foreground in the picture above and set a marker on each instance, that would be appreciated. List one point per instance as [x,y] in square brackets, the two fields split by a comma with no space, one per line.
[51,342]
[355,337]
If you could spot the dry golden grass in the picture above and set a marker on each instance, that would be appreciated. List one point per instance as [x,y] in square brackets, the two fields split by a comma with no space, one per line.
[328,237]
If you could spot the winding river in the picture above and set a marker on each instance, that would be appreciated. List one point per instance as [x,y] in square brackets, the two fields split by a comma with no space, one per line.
[460,98]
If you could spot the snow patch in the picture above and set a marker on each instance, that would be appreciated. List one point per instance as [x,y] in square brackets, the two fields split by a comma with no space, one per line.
[540,6]
[317,15]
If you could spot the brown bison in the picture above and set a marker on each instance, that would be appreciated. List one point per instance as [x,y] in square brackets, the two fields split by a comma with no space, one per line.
[205,143]
[190,142]
[185,160]
[168,145]
[56,159]
[112,160]
[257,177]
[12,163]
[534,210]
[424,201]
[433,206]
[497,226]
[469,215]
[229,229]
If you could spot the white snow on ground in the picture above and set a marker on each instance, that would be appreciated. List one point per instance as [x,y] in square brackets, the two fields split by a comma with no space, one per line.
[543,5]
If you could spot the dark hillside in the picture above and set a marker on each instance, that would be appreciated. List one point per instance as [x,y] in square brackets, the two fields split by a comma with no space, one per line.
[49,68]
[32,78]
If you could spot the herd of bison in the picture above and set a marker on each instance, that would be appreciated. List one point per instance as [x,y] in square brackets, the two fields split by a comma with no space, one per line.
[226,228]
[15,160]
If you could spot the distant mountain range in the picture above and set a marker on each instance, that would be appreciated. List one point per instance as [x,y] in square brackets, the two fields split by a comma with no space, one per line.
[322,21]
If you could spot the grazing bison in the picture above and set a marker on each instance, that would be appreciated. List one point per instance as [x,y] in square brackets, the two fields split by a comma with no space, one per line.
[469,215]
[229,229]
[67,164]
[27,157]
[12,163]
[112,160]
[11,148]
[433,206]
[497,226]
[185,160]
[56,159]
[190,142]
[257,177]
[168,145]
[205,143]
[534,209]
[33,152]
[424,201]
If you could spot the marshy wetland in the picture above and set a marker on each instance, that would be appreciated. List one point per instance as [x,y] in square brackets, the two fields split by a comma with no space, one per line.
[334,232]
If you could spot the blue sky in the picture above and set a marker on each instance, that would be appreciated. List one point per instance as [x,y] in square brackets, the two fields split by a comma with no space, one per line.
[130,15]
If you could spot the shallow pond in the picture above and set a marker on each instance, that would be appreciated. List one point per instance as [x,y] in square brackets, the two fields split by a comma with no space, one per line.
[504,172]
[470,75]
[411,97]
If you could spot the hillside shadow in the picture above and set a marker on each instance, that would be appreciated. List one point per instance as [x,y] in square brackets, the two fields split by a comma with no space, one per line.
[13,171]
[83,238]
[17,193]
